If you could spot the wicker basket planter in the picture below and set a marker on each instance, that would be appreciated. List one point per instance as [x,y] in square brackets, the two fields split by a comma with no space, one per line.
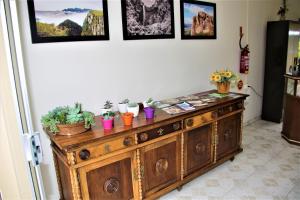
[71,129]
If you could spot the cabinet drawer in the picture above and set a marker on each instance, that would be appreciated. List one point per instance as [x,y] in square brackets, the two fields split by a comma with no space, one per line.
[200,119]
[160,131]
[94,151]
[230,108]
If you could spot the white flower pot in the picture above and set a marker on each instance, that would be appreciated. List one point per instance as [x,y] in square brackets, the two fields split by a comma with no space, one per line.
[104,110]
[134,110]
[122,107]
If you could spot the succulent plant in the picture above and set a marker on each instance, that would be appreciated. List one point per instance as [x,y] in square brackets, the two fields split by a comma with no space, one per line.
[149,101]
[132,104]
[108,115]
[124,101]
[108,104]
[67,115]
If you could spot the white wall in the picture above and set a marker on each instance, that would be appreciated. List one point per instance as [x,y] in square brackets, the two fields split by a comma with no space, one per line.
[91,72]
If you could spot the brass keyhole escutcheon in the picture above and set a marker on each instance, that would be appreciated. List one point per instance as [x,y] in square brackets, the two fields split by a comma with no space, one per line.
[161,165]
[227,134]
[200,148]
[190,122]
[111,185]
[160,131]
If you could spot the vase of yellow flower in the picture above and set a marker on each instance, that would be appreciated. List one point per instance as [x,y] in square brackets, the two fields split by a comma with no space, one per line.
[222,79]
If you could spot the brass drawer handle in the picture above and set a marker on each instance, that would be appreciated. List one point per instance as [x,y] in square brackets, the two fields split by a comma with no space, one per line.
[161,165]
[111,185]
[128,141]
[143,137]
[190,122]
[240,105]
[200,148]
[84,154]
[214,114]
[176,126]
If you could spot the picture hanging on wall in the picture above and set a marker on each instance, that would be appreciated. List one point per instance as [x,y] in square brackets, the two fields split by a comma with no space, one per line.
[198,20]
[68,20]
[147,19]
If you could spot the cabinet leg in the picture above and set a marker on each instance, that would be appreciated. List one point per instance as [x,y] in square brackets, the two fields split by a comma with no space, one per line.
[232,159]
[179,188]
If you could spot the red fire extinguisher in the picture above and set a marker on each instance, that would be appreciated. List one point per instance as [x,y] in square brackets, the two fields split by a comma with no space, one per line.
[244,62]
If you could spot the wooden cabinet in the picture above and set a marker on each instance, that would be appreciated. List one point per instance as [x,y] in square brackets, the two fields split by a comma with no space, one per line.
[110,179]
[291,117]
[150,158]
[198,148]
[228,135]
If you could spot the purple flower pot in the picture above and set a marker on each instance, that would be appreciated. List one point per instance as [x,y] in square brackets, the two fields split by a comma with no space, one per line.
[149,112]
[107,124]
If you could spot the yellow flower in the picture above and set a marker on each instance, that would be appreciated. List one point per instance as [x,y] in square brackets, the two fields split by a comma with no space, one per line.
[217,78]
[228,74]
[212,77]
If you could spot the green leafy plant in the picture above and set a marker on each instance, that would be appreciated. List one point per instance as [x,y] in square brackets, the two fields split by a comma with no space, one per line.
[149,101]
[108,115]
[67,115]
[124,101]
[132,104]
[108,104]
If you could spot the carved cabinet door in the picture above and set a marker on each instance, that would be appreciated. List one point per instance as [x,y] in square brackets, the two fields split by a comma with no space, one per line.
[110,179]
[160,165]
[228,135]
[198,148]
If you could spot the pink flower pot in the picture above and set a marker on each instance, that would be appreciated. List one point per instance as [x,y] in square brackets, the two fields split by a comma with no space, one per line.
[107,124]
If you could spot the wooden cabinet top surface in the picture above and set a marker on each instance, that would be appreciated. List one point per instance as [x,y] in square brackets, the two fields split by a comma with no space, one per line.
[292,77]
[97,133]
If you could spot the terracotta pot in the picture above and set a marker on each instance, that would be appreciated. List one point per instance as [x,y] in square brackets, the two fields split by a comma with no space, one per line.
[223,88]
[127,118]
[71,129]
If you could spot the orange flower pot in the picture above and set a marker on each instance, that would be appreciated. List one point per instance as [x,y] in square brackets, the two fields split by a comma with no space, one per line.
[223,88]
[127,118]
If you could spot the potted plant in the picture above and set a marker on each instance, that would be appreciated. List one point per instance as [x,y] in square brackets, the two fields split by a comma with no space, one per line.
[127,118]
[149,112]
[149,102]
[107,107]
[68,120]
[107,120]
[133,108]
[222,79]
[122,106]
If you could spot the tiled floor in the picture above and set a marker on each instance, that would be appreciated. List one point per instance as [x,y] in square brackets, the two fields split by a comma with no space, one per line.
[268,168]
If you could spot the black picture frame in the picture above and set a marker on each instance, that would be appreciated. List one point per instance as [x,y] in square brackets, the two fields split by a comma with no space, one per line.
[208,32]
[36,38]
[128,36]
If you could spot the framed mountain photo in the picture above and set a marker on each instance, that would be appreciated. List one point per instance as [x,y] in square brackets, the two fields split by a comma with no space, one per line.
[147,19]
[198,20]
[68,20]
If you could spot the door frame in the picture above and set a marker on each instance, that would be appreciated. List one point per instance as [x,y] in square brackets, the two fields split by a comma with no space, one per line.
[16,70]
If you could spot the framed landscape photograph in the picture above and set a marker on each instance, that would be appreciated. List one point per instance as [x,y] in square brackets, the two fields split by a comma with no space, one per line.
[147,19]
[198,20]
[68,20]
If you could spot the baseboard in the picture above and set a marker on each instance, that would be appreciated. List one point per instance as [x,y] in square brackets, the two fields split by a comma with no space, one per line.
[251,121]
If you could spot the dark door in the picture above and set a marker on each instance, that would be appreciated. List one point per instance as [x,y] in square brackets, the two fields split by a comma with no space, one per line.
[198,148]
[160,164]
[109,179]
[228,135]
